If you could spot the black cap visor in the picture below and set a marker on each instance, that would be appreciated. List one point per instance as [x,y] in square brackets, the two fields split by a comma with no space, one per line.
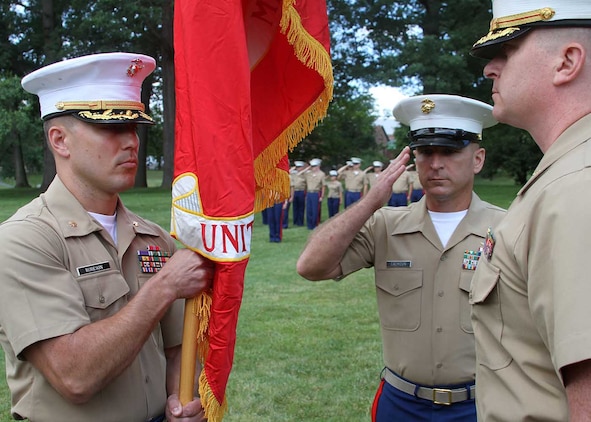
[442,137]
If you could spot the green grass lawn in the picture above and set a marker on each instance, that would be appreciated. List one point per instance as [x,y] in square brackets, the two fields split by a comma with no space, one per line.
[304,351]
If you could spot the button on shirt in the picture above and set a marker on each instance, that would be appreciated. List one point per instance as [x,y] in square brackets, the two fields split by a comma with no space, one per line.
[531,313]
[422,289]
[62,272]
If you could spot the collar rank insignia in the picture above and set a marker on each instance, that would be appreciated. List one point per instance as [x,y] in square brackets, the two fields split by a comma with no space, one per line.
[152,259]
[471,258]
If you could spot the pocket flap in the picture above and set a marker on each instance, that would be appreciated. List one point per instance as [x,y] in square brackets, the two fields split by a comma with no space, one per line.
[466,280]
[102,291]
[484,282]
[399,282]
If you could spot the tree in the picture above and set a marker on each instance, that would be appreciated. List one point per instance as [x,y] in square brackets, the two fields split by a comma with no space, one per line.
[424,45]
[346,131]
[20,132]
[142,27]
[40,32]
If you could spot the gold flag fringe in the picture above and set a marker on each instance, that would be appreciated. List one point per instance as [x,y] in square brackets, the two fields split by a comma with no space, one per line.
[214,411]
[273,185]
[202,309]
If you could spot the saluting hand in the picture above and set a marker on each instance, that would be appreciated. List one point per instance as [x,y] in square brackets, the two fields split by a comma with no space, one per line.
[382,189]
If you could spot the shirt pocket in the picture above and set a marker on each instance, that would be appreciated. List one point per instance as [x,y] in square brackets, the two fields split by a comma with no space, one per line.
[465,308]
[104,293]
[399,294]
[487,317]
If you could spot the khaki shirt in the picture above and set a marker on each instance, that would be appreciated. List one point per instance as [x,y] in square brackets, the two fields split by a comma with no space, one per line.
[314,180]
[371,178]
[354,180]
[298,181]
[62,272]
[334,189]
[531,307]
[414,179]
[422,289]
[402,184]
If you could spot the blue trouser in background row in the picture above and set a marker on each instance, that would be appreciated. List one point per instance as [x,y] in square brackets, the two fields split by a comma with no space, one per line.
[285,215]
[416,195]
[274,214]
[299,205]
[312,209]
[333,206]
[398,200]
[351,198]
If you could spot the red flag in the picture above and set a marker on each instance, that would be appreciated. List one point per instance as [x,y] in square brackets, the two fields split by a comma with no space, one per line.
[253,78]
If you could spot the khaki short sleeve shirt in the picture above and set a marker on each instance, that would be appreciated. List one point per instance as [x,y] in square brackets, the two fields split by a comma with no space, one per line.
[531,313]
[422,289]
[62,272]
[335,189]
[298,181]
[371,178]
[354,180]
[314,180]
[402,184]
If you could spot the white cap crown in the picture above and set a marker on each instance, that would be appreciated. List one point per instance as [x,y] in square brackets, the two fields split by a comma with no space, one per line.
[100,88]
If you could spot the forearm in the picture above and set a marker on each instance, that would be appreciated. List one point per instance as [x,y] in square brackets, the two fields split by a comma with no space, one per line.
[80,364]
[577,379]
[327,244]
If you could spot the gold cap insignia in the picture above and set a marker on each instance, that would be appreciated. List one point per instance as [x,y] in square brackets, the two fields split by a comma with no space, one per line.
[427,106]
[134,67]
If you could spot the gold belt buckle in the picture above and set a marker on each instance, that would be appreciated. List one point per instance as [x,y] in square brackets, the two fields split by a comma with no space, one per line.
[442,391]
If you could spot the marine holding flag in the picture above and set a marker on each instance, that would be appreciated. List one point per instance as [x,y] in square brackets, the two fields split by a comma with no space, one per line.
[253,78]
[90,320]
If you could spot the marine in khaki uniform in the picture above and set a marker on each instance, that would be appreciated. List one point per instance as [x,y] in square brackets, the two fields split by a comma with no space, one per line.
[333,192]
[400,191]
[90,320]
[372,177]
[298,182]
[354,179]
[424,257]
[314,190]
[530,295]
[416,189]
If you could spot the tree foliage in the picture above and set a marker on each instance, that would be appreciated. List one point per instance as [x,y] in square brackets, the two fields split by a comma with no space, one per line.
[20,132]
[421,46]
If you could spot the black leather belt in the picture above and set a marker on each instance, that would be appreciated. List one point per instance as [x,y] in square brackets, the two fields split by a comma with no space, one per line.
[436,395]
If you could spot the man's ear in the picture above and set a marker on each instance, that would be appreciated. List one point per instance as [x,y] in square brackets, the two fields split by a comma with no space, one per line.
[56,137]
[479,156]
[572,61]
